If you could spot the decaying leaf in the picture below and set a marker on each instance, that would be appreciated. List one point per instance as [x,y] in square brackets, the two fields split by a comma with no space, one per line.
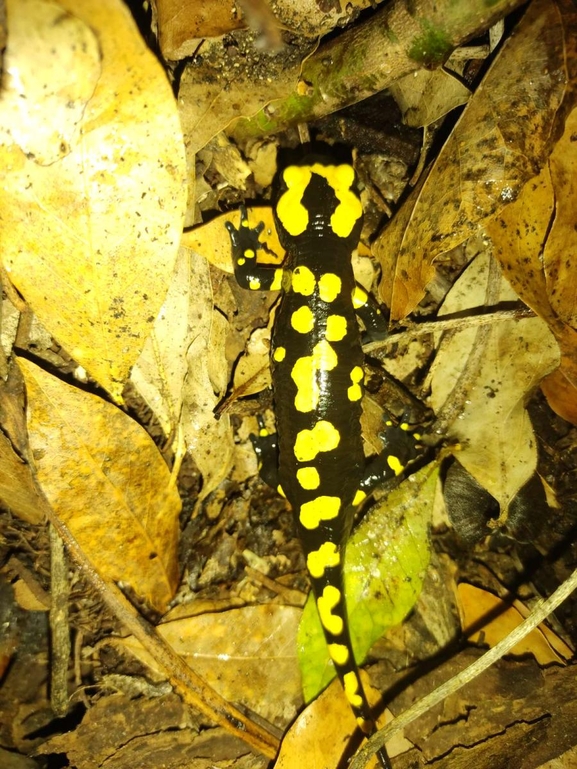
[497,443]
[248,655]
[499,143]
[93,192]
[105,479]
[386,561]
[428,95]
[534,239]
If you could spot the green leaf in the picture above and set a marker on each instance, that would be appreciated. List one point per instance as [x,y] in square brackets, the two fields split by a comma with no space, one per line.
[386,561]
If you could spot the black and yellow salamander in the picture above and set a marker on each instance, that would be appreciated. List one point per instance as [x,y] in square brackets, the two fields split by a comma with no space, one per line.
[317,374]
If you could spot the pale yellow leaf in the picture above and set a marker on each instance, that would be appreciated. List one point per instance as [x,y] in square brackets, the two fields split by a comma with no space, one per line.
[209,440]
[106,480]
[93,192]
[498,446]
[161,369]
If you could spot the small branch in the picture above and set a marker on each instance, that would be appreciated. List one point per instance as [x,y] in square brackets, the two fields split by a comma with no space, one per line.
[540,612]
[59,624]
[399,39]
[190,686]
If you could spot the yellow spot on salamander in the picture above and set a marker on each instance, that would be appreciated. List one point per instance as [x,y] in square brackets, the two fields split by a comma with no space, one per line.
[329,286]
[360,297]
[304,375]
[326,557]
[355,391]
[279,354]
[254,284]
[352,686]
[277,280]
[303,320]
[395,465]
[240,261]
[338,653]
[324,436]
[291,213]
[320,509]
[309,478]
[294,216]
[303,281]
[336,328]
[280,490]
[349,211]
[365,726]
[327,602]
[358,498]
[249,253]
[263,432]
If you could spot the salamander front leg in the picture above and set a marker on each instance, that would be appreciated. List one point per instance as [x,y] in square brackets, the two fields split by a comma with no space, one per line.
[245,247]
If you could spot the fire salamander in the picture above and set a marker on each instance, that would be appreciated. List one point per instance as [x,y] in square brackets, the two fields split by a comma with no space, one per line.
[317,375]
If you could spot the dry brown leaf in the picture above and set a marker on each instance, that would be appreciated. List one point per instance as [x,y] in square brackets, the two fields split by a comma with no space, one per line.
[17,488]
[252,373]
[498,445]
[183,23]
[499,143]
[321,732]
[94,190]
[533,239]
[247,655]
[105,479]
[487,619]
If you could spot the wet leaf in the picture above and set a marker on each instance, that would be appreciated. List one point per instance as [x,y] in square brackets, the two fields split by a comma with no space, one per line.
[94,190]
[105,479]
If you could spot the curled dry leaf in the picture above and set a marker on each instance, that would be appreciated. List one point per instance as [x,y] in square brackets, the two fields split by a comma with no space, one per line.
[105,479]
[498,446]
[499,143]
[487,619]
[93,192]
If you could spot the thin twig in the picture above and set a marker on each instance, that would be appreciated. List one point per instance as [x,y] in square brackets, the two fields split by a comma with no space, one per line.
[540,612]
[190,686]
